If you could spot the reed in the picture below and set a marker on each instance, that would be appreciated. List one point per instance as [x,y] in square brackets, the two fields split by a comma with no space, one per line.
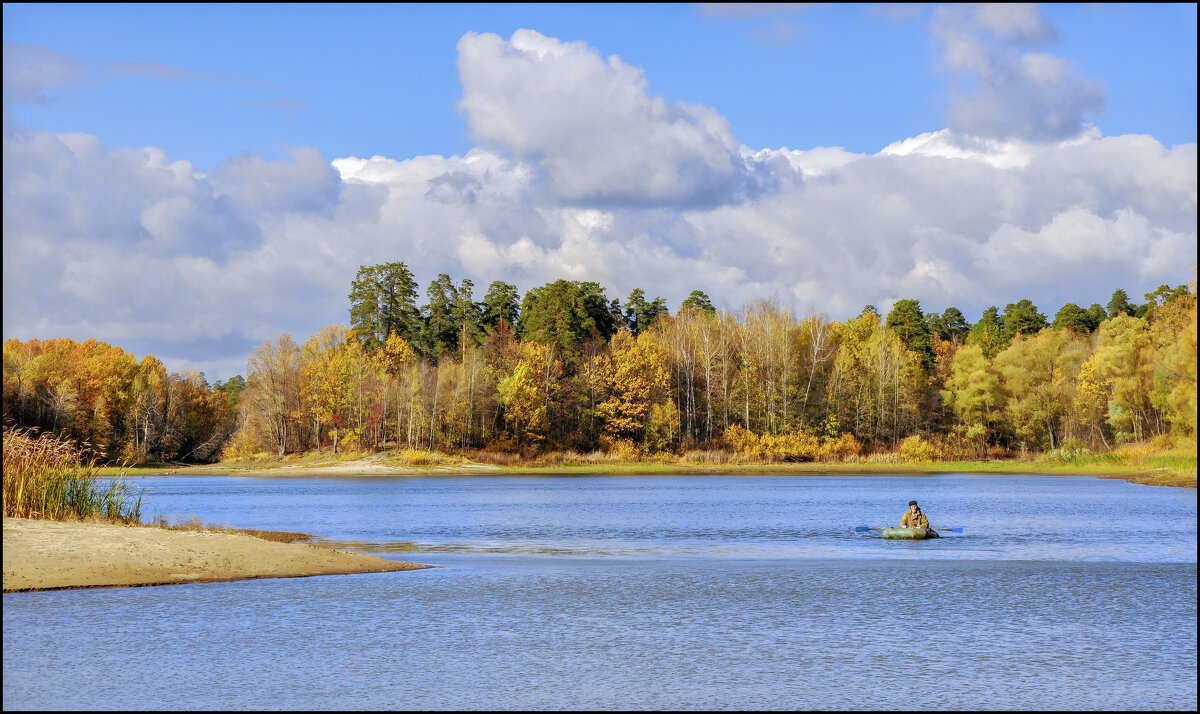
[46,477]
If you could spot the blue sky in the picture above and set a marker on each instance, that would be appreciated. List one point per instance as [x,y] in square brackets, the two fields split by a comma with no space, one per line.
[378,79]
[827,156]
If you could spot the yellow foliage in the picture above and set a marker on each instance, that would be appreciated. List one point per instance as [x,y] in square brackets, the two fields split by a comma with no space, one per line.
[625,450]
[915,449]
[350,439]
[840,448]
[797,446]
[637,378]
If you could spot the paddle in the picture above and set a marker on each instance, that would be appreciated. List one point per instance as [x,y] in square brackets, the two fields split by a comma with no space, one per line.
[860,529]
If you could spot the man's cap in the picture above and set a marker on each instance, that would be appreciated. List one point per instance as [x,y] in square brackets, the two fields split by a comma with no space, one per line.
[912,503]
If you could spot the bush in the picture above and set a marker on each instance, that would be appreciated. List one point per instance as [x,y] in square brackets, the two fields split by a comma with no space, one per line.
[915,449]
[796,446]
[844,448]
[625,450]
[47,478]
[242,446]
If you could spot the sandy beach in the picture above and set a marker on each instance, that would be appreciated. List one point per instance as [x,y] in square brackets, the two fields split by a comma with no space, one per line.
[50,555]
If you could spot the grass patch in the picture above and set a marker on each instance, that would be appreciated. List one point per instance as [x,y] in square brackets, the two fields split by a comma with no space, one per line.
[194,524]
[46,477]
[421,457]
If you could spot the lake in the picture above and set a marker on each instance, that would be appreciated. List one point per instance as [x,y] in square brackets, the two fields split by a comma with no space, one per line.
[647,592]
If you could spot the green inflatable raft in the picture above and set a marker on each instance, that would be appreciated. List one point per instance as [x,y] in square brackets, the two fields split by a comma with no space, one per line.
[910,533]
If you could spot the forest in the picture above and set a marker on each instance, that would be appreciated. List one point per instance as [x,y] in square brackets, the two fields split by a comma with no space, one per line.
[566,368]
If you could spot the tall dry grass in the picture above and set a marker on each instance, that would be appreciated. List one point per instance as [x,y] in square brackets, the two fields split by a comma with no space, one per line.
[46,477]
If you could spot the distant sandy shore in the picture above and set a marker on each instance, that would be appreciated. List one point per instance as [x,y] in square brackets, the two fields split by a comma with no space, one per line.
[51,555]
[377,466]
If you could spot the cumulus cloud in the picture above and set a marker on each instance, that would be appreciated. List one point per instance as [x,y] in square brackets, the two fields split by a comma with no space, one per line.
[590,125]
[130,246]
[1003,89]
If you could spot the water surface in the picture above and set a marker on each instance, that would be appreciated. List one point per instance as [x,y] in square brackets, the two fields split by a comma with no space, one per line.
[721,592]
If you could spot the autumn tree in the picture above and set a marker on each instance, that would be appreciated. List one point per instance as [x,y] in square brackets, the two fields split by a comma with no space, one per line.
[637,381]
[273,390]
[974,392]
[1039,376]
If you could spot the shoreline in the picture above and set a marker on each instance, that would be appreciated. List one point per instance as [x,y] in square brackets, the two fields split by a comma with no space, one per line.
[62,555]
[375,466]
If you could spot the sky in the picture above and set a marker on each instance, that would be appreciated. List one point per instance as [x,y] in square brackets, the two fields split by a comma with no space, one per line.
[190,181]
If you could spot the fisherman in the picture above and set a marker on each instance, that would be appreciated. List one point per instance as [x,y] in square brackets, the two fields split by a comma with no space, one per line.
[914,517]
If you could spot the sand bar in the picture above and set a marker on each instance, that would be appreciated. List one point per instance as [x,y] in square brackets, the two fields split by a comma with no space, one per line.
[51,555]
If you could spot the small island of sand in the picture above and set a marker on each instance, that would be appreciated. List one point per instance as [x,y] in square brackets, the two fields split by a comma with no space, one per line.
[52,555]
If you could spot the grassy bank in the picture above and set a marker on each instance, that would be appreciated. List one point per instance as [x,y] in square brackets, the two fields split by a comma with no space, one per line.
[1139,463]
[45,477]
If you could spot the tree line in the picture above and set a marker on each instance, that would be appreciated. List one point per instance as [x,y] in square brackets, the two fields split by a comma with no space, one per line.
[565,367]
[119,409]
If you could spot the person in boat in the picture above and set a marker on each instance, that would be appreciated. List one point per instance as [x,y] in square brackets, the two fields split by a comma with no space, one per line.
[914,517]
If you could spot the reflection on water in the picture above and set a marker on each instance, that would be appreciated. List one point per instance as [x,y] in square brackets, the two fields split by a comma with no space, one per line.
[648,593]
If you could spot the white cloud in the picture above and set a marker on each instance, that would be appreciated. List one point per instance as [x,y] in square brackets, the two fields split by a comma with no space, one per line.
[134,248]
[1002,89]
[588,123]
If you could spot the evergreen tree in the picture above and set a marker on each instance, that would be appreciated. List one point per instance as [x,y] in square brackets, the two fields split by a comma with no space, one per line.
[383,301]
[441,329]
[989,334]
[466,314]
[565,313]
[909,323]
[1119,304]
[956,325]
[1074,317]
[1023,318]
[639,314]
[502,302]
[699,300]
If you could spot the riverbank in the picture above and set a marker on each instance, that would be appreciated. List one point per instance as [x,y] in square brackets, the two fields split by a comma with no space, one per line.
[54,555]
[1157,469]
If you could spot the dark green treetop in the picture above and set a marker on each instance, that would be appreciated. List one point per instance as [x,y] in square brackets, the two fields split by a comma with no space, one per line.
[1119,304]
[955,325]
[441,329]
[988,334]
[639,313]
[1022,318]
[383,300]
[566,313]
[502,302]
[467,314]
[699,300]
[1074,317]
[909,323]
